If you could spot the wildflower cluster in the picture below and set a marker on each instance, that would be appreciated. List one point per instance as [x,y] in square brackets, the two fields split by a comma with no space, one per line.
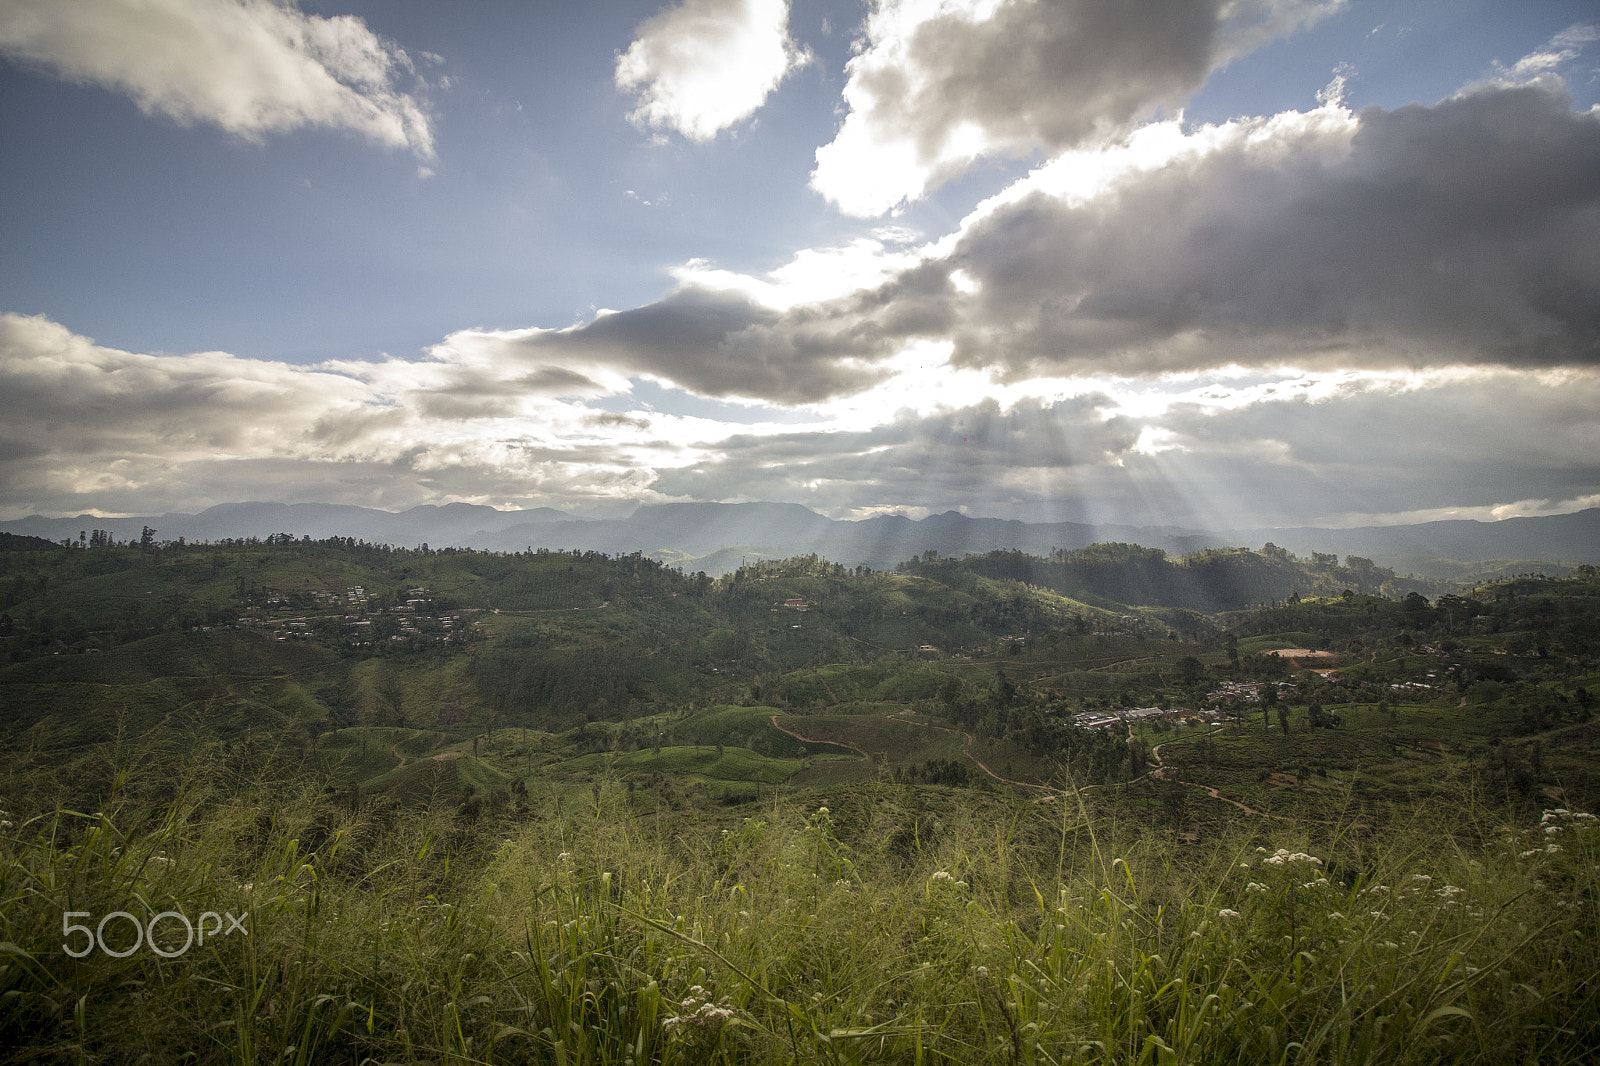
[699,1015]
[1553,823]
[1283,857]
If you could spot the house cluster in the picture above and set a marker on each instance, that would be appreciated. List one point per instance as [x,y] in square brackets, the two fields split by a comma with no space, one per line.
[357,629]
[1243,691]
[1250,691]
[1125,716]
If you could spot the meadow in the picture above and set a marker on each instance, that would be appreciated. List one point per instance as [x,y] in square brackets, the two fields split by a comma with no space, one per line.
[886,924]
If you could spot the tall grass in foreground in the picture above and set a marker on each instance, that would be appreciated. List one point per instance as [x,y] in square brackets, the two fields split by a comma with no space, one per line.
[1007,935]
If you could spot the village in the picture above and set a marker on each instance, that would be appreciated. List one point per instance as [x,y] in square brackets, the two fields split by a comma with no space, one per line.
[358,619]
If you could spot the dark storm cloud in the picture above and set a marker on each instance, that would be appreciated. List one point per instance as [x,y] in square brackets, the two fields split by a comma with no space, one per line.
[1466,232]
[722,343]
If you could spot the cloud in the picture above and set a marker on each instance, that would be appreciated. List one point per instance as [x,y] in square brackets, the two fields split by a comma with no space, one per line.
[705,65]
[1383,448]
[1463,233]
[725,343]
[992,457]
[251,67]
[1558,51]
[94,427]
[939,84]
[1466,232]
[1370,448]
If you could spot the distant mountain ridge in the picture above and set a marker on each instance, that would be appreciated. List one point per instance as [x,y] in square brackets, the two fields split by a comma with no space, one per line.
[715,536]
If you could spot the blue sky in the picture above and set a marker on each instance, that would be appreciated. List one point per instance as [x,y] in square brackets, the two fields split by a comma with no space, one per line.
[360,252]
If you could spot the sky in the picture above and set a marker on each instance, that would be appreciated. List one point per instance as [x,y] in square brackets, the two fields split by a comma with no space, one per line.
[1209,263]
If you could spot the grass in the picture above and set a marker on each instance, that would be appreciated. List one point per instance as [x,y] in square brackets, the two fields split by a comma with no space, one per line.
[887,925]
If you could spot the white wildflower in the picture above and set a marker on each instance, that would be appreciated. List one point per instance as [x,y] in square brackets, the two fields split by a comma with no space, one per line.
[1284,856]
[1255,886]
[699,1015]
[1227,913]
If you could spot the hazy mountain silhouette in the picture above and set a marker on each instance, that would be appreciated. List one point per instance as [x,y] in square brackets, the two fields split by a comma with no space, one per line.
[714,536]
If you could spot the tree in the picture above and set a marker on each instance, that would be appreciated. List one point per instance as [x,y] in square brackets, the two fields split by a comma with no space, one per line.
[147,538]
[1283,718]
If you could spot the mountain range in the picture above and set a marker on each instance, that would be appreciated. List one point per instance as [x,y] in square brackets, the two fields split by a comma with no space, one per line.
[715,537]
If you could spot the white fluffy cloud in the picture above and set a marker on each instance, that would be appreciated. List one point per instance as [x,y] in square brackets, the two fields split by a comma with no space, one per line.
[252,67]
[704,65]
[941,83]
[87,426]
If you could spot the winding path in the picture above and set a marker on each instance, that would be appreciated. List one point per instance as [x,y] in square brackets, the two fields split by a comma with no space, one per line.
[966,749]
[812,740]
[1161,772]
